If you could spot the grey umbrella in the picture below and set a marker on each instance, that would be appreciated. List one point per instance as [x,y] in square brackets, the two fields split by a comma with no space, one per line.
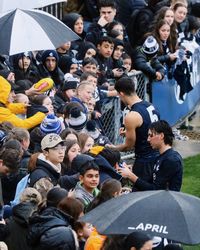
[167,214]
[29,30]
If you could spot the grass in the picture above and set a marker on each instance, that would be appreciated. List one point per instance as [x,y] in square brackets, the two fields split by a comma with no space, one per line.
[191,183]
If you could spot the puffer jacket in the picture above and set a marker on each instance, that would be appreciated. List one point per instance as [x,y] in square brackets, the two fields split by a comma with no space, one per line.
[149,66]
[51,230]
[8,110]
[18,225]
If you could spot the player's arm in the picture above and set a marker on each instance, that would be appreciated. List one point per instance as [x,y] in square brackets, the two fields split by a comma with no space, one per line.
[132,121]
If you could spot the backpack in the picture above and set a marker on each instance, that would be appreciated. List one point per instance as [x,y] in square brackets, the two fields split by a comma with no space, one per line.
[22,184]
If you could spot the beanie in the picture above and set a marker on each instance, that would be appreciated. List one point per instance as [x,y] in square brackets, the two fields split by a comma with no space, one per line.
[49,53]
[91,129]
[55,195]
[72,84]
[150,45]
[77,119]
[51,124]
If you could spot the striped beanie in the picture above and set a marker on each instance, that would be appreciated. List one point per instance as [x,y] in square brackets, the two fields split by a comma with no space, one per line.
[51,124]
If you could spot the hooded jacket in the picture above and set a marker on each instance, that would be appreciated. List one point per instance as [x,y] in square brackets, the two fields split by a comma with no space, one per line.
[18,225]
[8,110]
[51,230]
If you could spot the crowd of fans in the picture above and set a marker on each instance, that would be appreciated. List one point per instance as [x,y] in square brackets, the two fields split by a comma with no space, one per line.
[56,160]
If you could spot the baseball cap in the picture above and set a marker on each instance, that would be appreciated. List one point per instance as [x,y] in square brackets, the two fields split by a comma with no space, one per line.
[50,141]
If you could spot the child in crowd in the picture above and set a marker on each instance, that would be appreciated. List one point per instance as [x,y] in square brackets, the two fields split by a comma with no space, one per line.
[83,231]
[21,98]
[86,190]
[84,94]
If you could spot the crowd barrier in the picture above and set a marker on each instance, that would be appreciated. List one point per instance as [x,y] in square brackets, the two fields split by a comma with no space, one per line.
[165,94]
[112,115]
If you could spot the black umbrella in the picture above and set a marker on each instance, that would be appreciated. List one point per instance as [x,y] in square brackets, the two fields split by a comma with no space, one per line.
[167,214]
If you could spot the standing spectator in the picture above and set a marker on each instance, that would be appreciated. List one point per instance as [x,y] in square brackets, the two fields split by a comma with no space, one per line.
[8,109]
[168,167]
[107,10]
[145,59]
[48,164]
[86,190]
[137,123]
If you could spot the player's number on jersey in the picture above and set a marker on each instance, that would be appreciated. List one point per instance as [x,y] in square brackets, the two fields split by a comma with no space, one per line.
[152,115]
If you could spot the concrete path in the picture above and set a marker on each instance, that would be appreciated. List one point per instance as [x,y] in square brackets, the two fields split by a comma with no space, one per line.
[187,148]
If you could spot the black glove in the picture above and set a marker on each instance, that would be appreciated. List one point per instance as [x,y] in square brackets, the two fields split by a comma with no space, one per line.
[34,108]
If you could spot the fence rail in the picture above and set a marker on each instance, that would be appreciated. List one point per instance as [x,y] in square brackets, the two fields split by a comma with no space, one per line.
[111,111]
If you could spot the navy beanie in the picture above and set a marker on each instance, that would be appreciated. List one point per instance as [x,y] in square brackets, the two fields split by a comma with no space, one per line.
[51,124]
[49,53]
[69,85]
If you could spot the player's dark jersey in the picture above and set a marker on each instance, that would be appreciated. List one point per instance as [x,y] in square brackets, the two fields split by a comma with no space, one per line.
[149,114]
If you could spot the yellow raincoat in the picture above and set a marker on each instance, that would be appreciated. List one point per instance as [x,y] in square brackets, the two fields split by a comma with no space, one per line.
[8,110]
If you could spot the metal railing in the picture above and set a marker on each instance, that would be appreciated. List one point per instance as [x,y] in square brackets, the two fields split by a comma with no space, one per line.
[112,115]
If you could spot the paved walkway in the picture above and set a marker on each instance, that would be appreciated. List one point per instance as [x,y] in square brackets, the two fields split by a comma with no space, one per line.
[187,148]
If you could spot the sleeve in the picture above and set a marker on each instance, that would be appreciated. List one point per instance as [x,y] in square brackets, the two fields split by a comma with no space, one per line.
[168,177]
[26,123]
[17,108]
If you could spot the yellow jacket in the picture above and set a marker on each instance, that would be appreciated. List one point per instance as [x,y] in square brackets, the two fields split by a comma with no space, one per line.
[95,241]
[8,110]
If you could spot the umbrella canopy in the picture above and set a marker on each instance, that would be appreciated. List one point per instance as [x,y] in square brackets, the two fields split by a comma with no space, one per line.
[29,30]
[167,214]
[7,5]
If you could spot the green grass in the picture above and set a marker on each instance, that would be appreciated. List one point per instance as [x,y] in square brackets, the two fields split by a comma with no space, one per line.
[191,183]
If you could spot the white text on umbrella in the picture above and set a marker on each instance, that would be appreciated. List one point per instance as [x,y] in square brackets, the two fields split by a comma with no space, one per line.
[151,227]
